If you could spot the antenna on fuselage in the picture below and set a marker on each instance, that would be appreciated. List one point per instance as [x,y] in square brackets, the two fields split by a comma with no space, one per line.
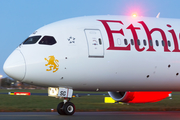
[158,15]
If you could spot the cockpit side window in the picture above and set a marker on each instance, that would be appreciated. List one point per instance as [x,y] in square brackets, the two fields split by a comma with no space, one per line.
[32,40]
[47,40]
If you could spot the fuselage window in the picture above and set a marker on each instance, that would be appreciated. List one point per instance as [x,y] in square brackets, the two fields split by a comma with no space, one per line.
[157,43]
[169,43]
[132,42]
[125,41]
[163,44]
[31,40]
[118,41]
[47,40]
[138,42]
[144,41]
[151,43]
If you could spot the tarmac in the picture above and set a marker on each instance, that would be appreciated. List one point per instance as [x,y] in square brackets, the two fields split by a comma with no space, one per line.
[91,116]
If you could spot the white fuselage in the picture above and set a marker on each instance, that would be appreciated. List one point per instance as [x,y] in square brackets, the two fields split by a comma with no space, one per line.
[92,54]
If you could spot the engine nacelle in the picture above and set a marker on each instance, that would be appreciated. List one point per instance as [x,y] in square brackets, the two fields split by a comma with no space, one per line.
[139,97]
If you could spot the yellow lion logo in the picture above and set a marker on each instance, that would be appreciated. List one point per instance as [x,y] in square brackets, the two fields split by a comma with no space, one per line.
[52,63]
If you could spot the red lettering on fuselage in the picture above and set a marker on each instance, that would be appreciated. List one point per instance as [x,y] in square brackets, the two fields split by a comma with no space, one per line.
[110,35]
[149,32]
[176,47]
[133,30]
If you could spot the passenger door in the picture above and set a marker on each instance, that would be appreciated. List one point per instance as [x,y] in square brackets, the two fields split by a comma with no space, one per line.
[95,43]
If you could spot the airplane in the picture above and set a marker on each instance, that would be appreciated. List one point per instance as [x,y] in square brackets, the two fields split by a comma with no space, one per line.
[136,59]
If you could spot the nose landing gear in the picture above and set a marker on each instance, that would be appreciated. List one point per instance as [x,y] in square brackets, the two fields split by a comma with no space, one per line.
[66,108]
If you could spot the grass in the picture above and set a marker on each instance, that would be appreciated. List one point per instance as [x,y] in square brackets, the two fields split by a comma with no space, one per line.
[23,90]
[83,103]
[40,91]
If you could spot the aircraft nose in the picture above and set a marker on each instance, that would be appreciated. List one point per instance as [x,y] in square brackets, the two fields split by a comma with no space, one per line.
[14,66]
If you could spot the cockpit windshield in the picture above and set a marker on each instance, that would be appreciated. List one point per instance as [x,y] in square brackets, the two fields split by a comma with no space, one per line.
[47,40]
[32,40]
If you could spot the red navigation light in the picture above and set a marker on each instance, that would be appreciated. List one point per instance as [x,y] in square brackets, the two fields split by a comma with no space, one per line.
[22,93]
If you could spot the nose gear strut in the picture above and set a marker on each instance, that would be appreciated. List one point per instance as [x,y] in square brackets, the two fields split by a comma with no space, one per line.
[66,107]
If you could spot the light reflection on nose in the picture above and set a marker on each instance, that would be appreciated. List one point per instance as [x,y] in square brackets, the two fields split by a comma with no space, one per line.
[14,66]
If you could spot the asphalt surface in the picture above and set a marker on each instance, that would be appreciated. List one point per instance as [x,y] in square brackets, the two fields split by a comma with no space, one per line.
[91,116]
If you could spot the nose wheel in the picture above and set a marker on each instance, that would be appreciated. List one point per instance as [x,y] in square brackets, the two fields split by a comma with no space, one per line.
[67,108]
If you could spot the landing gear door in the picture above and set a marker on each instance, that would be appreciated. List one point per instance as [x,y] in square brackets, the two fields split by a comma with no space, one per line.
[95,43]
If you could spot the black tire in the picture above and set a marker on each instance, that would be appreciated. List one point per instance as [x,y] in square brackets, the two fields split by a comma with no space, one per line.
[69,108]
[60,108]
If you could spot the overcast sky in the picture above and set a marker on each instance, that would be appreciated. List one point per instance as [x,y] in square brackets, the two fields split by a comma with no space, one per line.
[19,18]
